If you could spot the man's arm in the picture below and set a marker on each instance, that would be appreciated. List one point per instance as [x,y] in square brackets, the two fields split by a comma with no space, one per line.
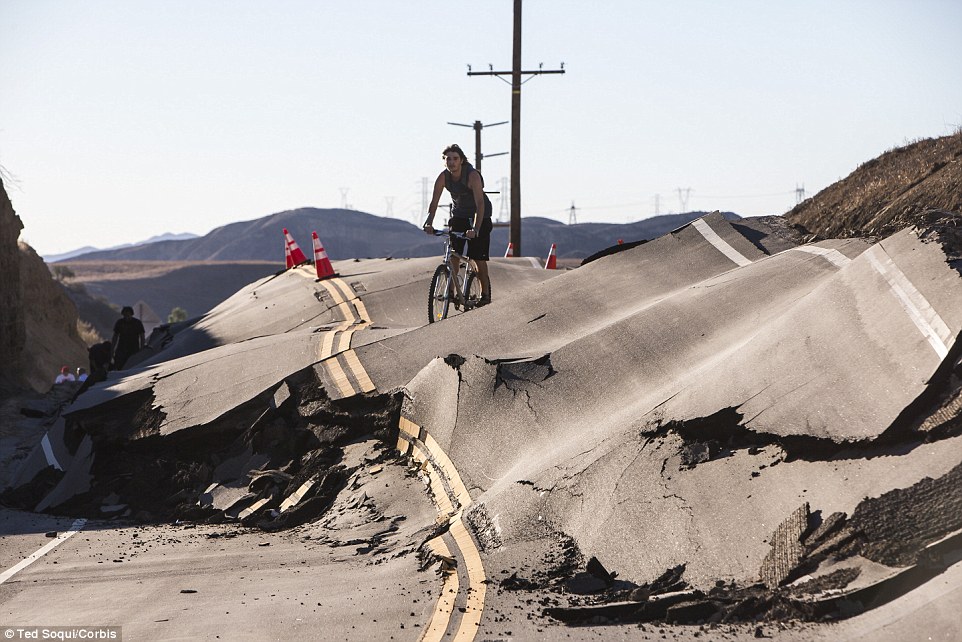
[474,182]
[433,207]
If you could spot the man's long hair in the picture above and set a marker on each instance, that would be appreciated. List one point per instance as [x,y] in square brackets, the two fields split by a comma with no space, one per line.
[454,147]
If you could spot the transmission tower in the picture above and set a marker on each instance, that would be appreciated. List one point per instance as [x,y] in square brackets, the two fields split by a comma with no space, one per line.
[572,214]
[424,200]
[799,193]
[344,191]
[516,73]
[657,204]
[503,211]
[683,194]
[390,206]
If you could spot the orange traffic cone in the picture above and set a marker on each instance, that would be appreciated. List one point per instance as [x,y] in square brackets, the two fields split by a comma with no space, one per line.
[552,262]
[297,255]
[287,256]
[510,251]
[321,263]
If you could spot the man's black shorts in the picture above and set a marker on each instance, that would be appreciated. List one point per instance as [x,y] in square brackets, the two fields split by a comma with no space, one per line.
[478,247]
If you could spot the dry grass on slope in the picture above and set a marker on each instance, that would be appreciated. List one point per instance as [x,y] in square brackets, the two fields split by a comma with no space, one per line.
[888,193]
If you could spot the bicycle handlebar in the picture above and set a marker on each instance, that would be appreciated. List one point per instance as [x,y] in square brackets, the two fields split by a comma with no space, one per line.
[459,235]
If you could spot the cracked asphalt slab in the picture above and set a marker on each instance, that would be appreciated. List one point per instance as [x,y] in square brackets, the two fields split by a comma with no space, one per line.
[716,433]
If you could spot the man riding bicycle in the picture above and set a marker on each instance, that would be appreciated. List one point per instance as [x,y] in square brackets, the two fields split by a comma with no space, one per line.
[467,191]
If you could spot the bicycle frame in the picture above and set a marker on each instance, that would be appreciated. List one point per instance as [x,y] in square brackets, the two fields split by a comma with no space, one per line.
[465,269]
[458,281]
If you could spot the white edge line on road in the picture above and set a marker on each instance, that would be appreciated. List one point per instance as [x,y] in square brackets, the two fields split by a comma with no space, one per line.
[833,256]
[48,452]
[721,244]
[905,292]
[60,539]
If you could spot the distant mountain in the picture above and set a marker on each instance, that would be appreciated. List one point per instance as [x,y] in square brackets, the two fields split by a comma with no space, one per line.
[53,258]
[87,249]
[349,234]
[167,236]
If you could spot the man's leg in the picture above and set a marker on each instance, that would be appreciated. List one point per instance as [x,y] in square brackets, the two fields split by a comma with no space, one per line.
[455,267]
[485,280]
[484,241]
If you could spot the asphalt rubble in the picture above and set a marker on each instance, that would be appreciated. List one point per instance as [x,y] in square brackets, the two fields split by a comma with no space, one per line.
[272,463]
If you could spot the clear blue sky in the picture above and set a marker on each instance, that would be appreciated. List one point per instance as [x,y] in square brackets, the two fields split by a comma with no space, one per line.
[122,119]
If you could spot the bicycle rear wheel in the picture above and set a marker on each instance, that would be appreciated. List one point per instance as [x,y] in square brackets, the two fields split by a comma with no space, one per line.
[439,297]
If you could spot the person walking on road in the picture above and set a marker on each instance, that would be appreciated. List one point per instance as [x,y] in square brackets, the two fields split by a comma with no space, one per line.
[471,213]
[99,356]
[128,337]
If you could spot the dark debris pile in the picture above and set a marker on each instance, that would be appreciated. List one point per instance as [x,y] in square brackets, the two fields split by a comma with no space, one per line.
[274,462]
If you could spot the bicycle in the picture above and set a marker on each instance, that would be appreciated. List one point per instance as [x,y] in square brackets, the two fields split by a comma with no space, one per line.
[463,291]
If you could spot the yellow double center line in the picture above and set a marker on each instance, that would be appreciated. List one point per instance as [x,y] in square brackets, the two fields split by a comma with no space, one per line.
[443,479]
[339,360]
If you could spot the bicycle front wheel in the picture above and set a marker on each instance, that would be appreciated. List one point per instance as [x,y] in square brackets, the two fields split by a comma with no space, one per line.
[472,291]
[439,297]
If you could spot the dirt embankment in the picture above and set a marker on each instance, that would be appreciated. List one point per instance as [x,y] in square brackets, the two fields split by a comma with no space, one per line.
[11,295]
[52,339]
[888,193]
[38,321]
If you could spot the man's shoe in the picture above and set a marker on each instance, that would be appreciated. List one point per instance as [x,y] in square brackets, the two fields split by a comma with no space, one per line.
[483,301]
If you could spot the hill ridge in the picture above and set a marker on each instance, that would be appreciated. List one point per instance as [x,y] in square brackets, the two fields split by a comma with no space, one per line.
[348,234]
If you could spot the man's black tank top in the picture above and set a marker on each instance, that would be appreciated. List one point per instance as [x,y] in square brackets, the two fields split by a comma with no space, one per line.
[464,206]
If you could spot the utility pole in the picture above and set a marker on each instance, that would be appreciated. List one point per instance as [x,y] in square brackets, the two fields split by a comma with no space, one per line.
[516,73]
[477,140]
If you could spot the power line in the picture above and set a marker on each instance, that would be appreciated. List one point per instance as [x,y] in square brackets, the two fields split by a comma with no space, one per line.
[685,194]
[765,195]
